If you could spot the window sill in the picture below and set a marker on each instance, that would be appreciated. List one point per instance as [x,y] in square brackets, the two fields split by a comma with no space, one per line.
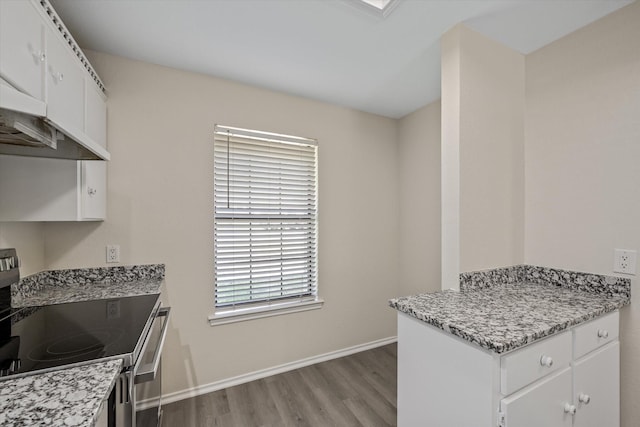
[242,314]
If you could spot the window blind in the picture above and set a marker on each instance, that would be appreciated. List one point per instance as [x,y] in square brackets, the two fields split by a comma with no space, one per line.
[265,217]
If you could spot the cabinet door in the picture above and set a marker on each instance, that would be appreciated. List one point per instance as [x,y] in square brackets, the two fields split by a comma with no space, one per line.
[22,53]
[542,404]
[93,197]
[65,87]
[38,189]
[95,120]
[597,381]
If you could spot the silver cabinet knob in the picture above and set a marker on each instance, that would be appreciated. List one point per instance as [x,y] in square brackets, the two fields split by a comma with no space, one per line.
[569,409]
[584,398]
[546,361]
[92,191]
[603,333]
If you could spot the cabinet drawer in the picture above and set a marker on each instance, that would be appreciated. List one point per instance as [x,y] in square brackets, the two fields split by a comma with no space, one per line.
[594,334]
[526,365]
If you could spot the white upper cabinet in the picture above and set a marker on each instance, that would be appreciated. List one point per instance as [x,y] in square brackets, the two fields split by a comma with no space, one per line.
[65,87]
[39,189]
[22,51]
[93,190]
[40,58]
[95,113]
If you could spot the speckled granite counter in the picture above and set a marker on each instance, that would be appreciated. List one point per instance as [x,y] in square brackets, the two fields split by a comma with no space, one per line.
[85,292]
[68,397]
[62,286]
[504,316]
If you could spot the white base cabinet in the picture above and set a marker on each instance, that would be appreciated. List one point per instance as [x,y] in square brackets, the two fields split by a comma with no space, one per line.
[570,379]
[596,378]
[39,189]
[541,404]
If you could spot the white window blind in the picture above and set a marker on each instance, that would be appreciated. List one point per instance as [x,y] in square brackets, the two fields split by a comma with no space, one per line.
[265,218]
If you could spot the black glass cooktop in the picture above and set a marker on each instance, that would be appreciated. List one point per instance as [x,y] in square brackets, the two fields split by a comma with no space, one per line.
[48,337]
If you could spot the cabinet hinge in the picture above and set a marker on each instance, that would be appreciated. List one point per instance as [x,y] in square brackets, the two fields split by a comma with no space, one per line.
[501,421]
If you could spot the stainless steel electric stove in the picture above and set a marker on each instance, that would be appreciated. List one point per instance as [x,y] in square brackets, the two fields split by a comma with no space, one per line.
[45,338]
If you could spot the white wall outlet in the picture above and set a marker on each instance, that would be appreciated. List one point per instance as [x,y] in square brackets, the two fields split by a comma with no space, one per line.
[113,253]
[624,261]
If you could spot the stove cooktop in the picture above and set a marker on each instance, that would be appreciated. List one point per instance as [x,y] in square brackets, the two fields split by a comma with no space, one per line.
[54,336]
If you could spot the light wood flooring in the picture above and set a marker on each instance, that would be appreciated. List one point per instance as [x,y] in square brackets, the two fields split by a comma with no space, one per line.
[356,390]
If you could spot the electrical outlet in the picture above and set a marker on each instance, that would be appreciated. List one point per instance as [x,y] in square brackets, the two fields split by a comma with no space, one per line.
[113,309]
[624,261]
[113,253]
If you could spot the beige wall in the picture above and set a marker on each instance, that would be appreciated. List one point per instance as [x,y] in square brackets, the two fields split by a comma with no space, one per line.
[160,210]
[419,181]
[28,239]
[583,163]
[483,97]
[491,154]
[450,158]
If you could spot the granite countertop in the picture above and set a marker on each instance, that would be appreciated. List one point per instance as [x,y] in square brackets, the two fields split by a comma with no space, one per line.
[86,284]
[503,317]
[67,397]
[85,292]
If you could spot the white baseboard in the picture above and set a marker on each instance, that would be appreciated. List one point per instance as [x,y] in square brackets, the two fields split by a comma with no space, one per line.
[263,373]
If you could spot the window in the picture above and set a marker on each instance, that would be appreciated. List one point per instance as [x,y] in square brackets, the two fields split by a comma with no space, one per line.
[265,224]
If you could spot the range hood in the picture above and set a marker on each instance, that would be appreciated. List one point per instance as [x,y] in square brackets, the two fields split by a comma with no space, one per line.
[25,131]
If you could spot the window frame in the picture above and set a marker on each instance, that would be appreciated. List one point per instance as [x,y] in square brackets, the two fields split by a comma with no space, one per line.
[246,310]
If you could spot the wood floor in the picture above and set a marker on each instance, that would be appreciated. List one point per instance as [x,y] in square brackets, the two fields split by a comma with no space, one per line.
[356,390]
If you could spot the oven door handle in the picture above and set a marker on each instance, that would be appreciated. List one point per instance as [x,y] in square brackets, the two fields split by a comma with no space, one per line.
[148,371]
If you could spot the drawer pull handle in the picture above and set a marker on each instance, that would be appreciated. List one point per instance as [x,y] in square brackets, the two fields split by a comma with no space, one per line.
[546,361]
[603,333]
[584,398]
[569,409]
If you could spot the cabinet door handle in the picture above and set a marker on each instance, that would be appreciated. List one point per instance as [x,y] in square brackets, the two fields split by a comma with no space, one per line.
[603,333]
[39,56]
[584,398]
[92,191]
[569,409]
[546,361]
[57,75]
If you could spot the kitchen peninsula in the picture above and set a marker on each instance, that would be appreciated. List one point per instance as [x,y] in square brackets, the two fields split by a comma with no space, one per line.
[518,346]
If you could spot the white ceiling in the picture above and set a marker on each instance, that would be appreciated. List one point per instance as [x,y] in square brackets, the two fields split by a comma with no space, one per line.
[329,50]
